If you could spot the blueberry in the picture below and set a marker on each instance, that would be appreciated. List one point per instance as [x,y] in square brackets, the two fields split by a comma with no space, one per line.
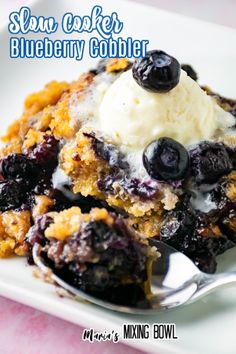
[98,231]
[100,236]
[146,190]
[36,232]
[11,195]
[177,224]
[182,229]
[193,233]
[209,162]
[18,166]
[157,71]
[46,153]
[107,152]
[232,154]
[166,159]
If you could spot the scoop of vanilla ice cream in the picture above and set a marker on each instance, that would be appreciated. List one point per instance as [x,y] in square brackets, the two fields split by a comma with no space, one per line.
[133,116]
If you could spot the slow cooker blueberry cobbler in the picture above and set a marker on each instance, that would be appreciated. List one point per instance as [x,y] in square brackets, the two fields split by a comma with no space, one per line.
[127,147]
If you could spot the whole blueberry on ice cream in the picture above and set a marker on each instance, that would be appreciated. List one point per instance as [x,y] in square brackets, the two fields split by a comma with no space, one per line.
[157,71]
[166,159]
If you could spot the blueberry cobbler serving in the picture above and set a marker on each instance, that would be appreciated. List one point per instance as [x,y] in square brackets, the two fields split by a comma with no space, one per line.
[128,149]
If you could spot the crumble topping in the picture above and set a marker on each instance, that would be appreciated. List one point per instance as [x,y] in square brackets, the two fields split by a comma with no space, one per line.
[13,227]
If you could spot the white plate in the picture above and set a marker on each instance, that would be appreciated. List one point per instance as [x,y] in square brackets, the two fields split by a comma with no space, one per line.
[209,325]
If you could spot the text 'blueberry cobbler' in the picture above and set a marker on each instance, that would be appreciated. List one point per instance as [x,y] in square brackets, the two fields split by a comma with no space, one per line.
[127,147]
